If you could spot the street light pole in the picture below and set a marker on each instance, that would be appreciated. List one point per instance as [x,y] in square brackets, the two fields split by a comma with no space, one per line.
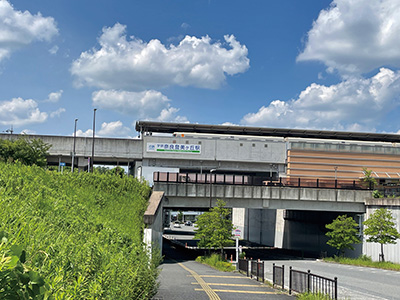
[212,170]
[94,129]
[73,151]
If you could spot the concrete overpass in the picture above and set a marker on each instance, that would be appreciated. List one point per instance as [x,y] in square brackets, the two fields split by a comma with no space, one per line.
[194,196]
[108,151]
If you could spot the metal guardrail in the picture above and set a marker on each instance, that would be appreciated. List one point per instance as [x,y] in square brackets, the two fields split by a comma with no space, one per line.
[302,282]
[278,276]
[230,179]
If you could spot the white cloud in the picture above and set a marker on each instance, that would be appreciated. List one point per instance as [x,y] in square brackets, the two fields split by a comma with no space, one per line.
[53,50]
[27,131]
[132,64]
[185,26]
[87,133]
[20,112]
[355,36]
[150,105]
[18,29]
[54,97]
[57,113]
[354,104]
[114,129]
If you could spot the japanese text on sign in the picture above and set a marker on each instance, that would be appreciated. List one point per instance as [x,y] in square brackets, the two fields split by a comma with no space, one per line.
[176,148]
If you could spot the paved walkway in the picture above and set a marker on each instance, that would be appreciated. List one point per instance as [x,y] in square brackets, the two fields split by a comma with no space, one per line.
[187,279]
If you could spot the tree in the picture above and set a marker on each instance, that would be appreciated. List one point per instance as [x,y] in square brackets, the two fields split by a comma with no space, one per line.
[343,233]
[214,228]
[27,151]
[368,180]
[381,229]
[180,216]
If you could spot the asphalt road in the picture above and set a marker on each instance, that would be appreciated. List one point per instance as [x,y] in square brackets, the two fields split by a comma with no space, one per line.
[353,282]
[182,278]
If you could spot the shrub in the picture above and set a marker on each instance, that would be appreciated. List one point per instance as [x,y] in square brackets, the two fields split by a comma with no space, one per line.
[216,262]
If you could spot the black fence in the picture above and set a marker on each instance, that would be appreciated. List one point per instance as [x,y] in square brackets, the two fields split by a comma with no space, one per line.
[278,276]
[244,266]
[230,179]
[302,282]
[252,268]
[257,270]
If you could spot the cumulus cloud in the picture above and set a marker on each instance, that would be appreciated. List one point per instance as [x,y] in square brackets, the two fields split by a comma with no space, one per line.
[54,97]
[355,36]
[150,105]
[114,129]
[53,50]
[18,29]
[20,112]
[57,113]
[354,104]
[87,133]
[135,65]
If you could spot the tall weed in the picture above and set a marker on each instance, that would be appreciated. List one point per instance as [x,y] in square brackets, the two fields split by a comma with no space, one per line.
[81,232]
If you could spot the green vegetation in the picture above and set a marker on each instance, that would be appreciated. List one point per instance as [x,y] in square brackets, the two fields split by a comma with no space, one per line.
[364,261]
[24,150]
[381,229]
[368,180]
[311,296]
[216,262]
[73,236]
[343,233]
[214,228]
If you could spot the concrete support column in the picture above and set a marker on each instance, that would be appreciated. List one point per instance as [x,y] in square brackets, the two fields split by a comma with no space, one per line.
[279,228]
[240,221]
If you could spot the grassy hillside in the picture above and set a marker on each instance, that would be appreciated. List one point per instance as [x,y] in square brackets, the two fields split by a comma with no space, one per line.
[72,236]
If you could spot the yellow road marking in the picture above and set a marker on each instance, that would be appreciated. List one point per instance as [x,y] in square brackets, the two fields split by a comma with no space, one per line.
[232,284]
[205,287]
[215,276]
[236,291]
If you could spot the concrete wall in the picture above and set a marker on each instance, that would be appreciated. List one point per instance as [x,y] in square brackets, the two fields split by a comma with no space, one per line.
[392,252]
[233,155]
[262,226]
[154,220]
[106,149]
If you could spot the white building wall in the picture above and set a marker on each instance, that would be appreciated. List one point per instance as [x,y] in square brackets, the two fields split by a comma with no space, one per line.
[391,252]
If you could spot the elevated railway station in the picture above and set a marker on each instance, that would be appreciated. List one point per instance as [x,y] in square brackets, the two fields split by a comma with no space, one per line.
[300,179]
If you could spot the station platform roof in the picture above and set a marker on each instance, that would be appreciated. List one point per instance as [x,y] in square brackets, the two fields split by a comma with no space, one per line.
[166,127]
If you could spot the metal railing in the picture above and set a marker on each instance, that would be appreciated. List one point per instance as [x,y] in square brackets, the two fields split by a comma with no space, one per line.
[302,282]
[244,266]
[278,276]
[230,179]
[257,270]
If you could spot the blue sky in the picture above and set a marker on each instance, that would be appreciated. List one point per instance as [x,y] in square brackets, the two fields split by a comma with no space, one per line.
[331,65]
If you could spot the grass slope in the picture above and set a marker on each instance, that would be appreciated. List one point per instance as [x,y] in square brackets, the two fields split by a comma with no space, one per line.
[81,233]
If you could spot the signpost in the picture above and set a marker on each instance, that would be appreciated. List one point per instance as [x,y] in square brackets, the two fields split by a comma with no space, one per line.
[237,234]
[62,165]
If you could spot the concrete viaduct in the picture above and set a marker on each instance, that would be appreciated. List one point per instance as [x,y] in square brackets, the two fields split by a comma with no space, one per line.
[280,216]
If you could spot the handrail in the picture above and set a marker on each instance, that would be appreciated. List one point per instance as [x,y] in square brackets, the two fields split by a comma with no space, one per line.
[250,180]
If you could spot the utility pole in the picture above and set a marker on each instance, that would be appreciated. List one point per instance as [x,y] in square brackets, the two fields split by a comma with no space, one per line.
[94,129]
[73,150]
[211,171]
